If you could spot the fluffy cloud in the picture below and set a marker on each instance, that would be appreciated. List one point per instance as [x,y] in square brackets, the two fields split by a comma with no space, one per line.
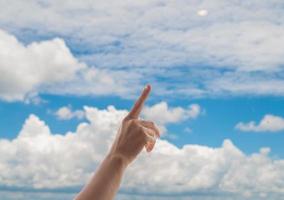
[154,39]
[269,123]
[66,113]
[31,161]
[161,114]
[241,40]
[49,67]
[105,35]
[23,69]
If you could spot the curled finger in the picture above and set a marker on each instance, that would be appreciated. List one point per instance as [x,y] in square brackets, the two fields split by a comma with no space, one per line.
[150,138]
[151,125]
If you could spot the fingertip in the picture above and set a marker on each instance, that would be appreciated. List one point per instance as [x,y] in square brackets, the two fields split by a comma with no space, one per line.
[147,88]
[136,109]
[146,92]
[148,150]
[150,146]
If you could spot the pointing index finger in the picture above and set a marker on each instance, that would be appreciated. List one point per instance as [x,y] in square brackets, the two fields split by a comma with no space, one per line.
[136,109]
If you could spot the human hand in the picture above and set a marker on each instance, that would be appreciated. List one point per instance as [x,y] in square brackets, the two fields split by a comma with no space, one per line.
[134,133]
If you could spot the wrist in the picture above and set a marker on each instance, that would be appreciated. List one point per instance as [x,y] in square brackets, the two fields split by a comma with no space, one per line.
[118,159]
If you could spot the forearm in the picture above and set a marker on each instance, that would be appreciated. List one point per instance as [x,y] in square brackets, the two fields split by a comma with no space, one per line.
[133,135]
[105,183]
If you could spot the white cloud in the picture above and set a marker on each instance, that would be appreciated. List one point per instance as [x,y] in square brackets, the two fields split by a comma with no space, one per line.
[95,81]
[49,67]
[238,83]
[171,34]
[66,113]
[269,123]
[231,36]
[24,69]
[31,161]
[162,114]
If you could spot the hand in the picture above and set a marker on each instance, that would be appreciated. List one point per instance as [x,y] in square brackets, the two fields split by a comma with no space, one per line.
[134,134]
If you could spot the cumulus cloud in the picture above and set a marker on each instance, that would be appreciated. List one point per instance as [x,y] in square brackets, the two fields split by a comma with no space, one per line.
[31,161]
[269,123]
[66,113]
[23,69]
[162,114]
[171,34]
[49,67]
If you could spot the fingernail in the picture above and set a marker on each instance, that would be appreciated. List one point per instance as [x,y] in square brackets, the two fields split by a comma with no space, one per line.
[147,87]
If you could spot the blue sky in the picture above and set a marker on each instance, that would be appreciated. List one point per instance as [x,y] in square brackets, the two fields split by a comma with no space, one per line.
[216,123]
[70,70]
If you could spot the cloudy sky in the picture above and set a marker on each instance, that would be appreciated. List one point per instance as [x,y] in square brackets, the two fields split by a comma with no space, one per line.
[70,70]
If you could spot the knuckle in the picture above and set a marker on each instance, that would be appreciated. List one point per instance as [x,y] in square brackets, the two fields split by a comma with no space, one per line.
[125,119]
[140,129]
[133,122]
[152,123]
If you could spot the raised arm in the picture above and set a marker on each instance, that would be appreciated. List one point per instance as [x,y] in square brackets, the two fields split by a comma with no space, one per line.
[132,136]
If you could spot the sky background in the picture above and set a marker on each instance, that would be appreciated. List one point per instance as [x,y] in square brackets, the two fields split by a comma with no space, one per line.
[70,71]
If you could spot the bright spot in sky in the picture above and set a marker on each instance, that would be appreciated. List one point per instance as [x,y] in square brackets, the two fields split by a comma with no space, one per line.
[202,13]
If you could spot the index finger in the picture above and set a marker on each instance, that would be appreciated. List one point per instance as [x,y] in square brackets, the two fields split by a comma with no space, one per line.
[136,109]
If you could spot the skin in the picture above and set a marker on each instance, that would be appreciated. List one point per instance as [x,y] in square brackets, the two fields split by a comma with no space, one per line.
[133,135]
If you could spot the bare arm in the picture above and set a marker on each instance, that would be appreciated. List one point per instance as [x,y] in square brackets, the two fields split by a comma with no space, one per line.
[104,184]
[132,136]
